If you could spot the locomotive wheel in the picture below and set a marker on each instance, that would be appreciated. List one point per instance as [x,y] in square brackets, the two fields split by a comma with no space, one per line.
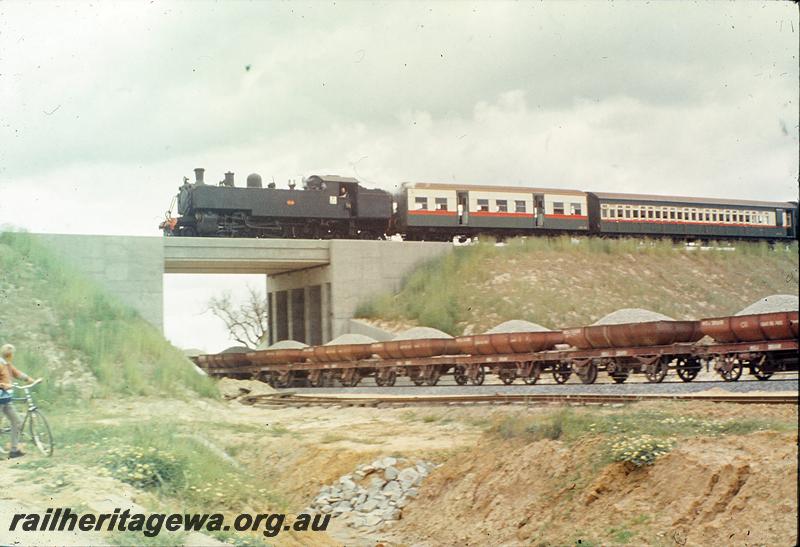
[480,376]
[589,374]
[507,376]
[561,372]
[460,375]
[536,371]
[730,369]
[688,369]
[657,371]
[620,376]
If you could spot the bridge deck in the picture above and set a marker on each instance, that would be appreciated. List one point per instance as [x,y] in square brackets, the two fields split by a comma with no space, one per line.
[252,256]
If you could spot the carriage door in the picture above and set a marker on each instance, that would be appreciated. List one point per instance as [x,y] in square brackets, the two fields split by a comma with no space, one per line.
[779,218]
[463,207]
[538,209]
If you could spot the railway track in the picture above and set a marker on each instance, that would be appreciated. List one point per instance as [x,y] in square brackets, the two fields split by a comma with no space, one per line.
[282,399]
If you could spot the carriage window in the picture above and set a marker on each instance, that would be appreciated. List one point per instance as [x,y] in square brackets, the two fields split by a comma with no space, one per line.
[672,215]
[714,216]
[747,218]
[604,212]
[658,213]
[627,213]
[502,205]
[694,216]
[619,212]
[558,207]
[519,205]
[680,215]
[612,212]
[727,217]
[636,213]
[708,216]
[441,204]
[575,208]
[483,205]
[421,204]
[649,213]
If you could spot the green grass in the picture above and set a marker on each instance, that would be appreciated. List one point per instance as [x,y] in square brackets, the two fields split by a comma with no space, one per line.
[123,352]
[569,425]
[563,281]
[168,460]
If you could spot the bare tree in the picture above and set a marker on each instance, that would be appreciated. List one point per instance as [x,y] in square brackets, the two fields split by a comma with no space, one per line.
[246,322]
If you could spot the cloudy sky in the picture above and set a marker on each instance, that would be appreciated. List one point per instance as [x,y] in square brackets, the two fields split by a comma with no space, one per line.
[104,108]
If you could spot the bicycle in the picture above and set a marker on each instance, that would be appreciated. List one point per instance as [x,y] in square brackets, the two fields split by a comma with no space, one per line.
[38,431]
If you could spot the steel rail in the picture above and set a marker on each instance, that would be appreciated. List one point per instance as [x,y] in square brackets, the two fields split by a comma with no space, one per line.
[279,399]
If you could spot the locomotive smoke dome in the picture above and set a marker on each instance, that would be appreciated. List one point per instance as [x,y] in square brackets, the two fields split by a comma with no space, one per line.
[254,180]
[198,175]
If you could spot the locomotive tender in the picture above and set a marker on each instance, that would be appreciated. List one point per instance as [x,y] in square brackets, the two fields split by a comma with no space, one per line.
[334,207]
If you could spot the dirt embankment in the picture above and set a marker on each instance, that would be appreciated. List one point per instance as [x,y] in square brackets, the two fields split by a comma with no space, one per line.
[738,490]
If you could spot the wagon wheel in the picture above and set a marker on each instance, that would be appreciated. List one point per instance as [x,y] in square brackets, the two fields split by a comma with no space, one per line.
[479,377]
[507,376]
[688,369]
[385,377]
[460,375]
[533,375]
[588,375]
[350,377]
[657,370]
[315,378]
[432,375]
[561,372]
[284,379]
[730,368]
[763,369]
[619,376]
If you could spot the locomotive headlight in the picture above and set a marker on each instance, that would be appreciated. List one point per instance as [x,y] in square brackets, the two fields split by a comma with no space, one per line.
[289,202]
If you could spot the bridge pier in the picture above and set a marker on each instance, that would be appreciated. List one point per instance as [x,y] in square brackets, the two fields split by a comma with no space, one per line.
[324,298]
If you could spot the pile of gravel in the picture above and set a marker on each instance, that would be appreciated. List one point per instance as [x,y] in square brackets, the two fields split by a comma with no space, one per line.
[517,325]
[351,339]
[374,494]
[421,333]
[632,315]
[236,349]
[283,344]
[771,304]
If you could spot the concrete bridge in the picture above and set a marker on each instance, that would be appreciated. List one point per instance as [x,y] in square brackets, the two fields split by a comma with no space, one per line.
[313,286]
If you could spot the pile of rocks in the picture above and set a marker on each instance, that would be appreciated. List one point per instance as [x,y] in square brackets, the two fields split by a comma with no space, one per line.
[374,493]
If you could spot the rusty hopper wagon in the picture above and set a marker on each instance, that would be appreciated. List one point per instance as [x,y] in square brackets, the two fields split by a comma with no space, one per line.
[763,343]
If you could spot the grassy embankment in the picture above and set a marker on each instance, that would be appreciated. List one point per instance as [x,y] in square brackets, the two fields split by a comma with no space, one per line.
[65,328]
[561,282]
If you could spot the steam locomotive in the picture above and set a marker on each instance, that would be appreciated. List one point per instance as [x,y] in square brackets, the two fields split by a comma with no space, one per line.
[334,207]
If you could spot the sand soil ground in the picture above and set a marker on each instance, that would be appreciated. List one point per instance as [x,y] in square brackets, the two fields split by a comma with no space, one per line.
[733,488]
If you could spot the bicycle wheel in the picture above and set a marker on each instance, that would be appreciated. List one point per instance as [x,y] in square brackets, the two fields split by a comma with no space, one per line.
[40,433]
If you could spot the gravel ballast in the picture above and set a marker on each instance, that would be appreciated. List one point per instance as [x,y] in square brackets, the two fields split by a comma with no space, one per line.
[284,344]
[517,325]
[632,315]
[771,304]
[421,333]
[351,339]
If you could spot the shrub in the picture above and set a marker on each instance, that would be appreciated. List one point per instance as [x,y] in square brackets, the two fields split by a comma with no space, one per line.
[641,450]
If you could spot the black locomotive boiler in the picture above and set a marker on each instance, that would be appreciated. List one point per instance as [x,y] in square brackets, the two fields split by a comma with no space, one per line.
[325,207]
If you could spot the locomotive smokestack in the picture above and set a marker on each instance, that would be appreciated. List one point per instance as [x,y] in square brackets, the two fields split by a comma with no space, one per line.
[198,175]
[228,179]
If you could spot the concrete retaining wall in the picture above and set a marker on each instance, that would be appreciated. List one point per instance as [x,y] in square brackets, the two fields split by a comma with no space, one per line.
[128,267]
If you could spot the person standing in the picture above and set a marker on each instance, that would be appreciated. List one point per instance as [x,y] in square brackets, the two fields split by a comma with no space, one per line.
[7,374]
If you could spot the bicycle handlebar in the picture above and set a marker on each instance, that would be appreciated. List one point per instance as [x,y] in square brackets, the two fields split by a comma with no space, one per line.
[38,380]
